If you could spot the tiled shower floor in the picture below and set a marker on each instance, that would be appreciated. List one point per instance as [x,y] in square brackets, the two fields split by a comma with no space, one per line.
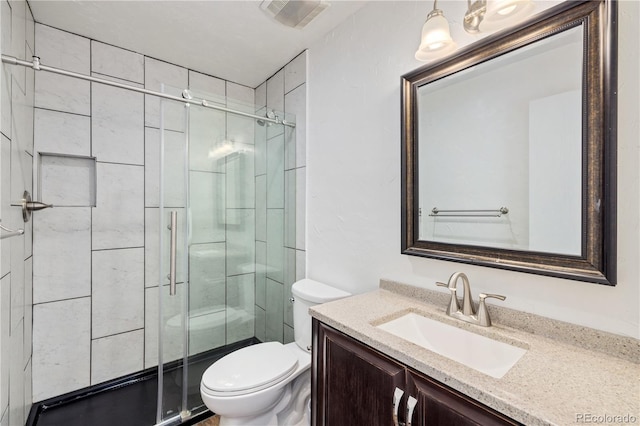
[131,404]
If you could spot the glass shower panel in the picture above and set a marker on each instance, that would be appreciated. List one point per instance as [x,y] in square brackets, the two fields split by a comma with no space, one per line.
[277,242]
[291,220]
[240,222]
[230,180]
[222,245]
[173,200]
[207,248]
[229,267]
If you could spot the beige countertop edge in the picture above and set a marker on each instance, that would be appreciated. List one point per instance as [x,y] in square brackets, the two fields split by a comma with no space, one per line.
[552,384]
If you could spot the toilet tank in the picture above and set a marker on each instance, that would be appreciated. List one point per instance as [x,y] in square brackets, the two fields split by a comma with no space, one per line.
[307,293]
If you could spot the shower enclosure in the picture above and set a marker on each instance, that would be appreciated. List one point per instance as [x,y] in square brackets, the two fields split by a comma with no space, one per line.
[181,249]
[223,209]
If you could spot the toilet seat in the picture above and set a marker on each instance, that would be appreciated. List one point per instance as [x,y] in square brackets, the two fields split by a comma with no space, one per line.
[249,370]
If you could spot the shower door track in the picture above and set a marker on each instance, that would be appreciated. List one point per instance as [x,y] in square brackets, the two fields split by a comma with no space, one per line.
[37,66]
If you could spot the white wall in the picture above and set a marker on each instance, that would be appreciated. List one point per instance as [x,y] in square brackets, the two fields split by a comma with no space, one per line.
[555,121]
[353,202]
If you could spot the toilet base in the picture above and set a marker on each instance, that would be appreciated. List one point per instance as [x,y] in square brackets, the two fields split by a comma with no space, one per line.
[294,414]
[268,419]
[289,411]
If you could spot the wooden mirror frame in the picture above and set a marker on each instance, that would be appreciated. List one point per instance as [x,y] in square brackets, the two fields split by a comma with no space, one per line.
[597,262]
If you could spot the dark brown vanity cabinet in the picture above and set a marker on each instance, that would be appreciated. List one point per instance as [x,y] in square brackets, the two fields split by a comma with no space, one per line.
[354,385]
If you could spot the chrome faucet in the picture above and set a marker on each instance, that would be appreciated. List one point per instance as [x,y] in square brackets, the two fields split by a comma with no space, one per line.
[467,313]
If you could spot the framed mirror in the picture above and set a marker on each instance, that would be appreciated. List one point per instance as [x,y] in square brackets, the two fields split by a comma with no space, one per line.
[509,148]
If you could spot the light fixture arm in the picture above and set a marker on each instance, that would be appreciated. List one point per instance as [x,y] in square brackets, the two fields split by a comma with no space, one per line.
[474,15]
[491,15]
[435,11]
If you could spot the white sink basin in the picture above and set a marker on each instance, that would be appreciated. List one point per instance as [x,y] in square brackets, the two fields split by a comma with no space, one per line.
[473,350]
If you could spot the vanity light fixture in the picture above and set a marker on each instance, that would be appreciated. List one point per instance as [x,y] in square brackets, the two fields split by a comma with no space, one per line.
[436,39]
[490,15]
[481,16]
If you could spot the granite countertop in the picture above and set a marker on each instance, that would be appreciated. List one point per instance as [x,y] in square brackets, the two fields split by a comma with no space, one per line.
[569,374]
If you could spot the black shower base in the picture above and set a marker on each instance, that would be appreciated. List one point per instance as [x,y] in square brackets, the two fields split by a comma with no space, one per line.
[130,400]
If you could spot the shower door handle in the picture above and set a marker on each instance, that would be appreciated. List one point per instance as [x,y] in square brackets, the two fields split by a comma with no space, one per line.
[172,253]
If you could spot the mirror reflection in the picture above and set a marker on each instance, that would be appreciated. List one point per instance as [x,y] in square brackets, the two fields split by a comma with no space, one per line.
[500,150]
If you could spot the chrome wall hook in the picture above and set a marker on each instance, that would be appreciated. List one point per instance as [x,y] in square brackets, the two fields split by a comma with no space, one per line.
[29,206]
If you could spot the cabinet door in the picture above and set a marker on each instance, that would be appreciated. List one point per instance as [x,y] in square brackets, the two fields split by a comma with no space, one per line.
[352,384]
[439,405]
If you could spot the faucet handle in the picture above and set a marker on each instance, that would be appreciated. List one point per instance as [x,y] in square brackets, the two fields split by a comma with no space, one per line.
[439,284]
[483,314]
[483,296]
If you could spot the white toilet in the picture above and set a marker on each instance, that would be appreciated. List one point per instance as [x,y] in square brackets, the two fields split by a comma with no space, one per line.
[268,384]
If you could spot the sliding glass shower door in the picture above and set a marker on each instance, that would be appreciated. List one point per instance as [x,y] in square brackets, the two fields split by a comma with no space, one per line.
[174,228]
[222,235]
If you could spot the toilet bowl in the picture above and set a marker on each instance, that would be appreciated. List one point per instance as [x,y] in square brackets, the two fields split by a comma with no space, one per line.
[268,384]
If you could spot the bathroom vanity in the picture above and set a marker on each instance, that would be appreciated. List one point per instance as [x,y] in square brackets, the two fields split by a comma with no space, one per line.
[349,372]
[364,375]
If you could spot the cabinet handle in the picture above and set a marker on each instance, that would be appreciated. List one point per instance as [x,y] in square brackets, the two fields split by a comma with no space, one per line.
[411,404]
[397,396]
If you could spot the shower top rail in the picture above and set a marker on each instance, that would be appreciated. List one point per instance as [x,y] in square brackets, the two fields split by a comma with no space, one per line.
[36,65]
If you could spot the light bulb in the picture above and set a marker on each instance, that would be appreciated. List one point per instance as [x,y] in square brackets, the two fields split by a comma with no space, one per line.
[503,13]
[507,10]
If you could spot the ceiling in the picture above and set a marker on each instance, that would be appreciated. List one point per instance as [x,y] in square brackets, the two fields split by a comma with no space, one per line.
[233,40]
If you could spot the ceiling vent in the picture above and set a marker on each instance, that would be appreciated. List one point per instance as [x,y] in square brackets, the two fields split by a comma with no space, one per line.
[294,13]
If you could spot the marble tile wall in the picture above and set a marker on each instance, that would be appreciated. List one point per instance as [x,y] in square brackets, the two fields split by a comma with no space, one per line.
[280,176]
[95,268]
[16,151]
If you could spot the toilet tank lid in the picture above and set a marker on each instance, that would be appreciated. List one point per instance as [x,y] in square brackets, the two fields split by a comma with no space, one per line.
[317,292]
